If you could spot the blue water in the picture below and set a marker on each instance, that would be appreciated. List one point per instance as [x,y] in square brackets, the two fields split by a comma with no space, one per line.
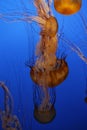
[17,45]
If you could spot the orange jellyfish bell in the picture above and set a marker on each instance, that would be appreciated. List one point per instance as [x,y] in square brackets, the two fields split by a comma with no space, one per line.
[45,116]
[53,77]
[51,27]
[67,7]
[85,99]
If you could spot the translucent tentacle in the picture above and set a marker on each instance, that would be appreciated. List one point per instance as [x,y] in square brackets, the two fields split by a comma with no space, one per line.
[74,48]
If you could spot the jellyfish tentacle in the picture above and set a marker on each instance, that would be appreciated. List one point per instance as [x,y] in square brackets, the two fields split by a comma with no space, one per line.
[45,104]
[8,101]
[84,21]
[75,48]
[9,121]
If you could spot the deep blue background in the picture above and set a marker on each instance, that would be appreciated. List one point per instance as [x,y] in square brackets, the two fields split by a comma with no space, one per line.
[17,45]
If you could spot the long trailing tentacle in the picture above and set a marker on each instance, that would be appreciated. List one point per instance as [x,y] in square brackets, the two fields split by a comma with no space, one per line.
[75,48]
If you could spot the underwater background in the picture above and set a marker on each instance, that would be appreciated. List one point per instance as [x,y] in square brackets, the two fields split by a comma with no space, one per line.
[17,45]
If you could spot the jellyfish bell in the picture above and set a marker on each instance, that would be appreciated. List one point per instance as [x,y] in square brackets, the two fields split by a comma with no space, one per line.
[51,27]
[52,78]
[67,7]
[44,116]
[85,99]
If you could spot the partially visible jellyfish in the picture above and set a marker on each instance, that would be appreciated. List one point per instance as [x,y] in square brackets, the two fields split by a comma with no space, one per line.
[44,100]
[85,99]
[67,7]
[9,121]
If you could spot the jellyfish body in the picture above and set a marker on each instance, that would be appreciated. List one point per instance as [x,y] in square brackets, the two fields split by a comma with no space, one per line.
[46,116]
[53,77]
[44,100]
[50,27]
[67,7]
[48,71]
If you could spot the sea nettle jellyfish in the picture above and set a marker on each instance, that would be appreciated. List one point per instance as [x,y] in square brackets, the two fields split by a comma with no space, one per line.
[48,71]
[67,7]
[44,100]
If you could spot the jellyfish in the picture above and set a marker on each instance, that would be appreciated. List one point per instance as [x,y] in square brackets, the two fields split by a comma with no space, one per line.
[85,98]
[53,77]
[67,7]
[85,74]
[48,71]
[44,100]
[9,121]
